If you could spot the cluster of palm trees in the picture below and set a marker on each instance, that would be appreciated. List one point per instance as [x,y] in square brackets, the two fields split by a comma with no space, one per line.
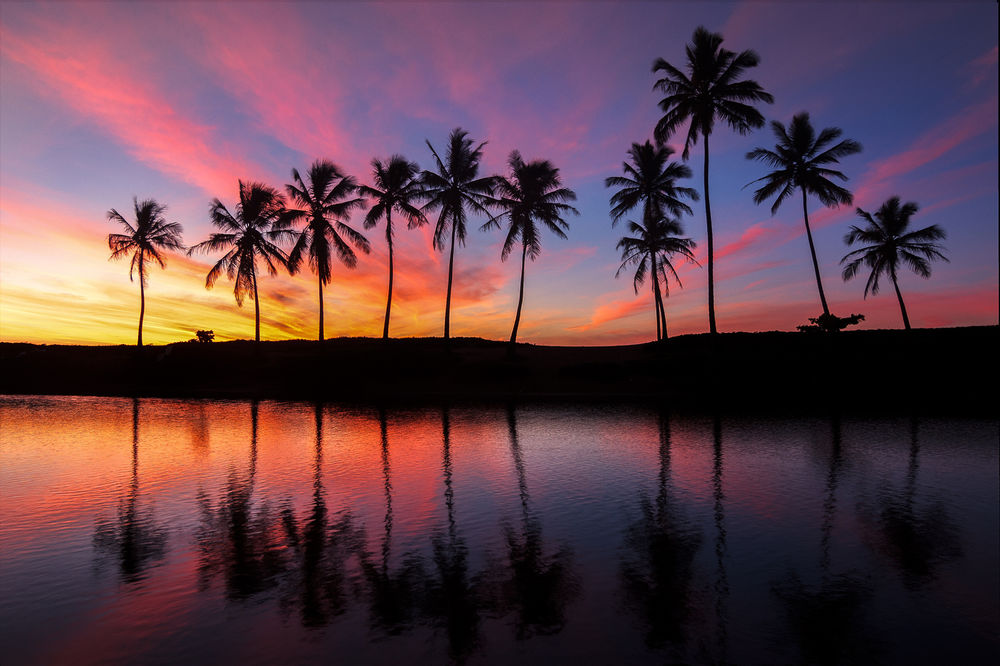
[531,196]
[710,89]
[263,224]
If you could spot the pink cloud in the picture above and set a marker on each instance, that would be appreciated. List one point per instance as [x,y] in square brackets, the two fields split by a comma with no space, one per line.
[100,85]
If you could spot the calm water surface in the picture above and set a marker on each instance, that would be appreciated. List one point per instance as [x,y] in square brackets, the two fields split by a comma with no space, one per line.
[169,531]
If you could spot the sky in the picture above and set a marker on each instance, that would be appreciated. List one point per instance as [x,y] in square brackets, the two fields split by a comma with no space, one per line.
[103,102]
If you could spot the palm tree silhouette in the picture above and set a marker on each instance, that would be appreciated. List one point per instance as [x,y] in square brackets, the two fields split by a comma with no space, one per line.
[650,251]
[451,189]
[888,244]
[150,234]
[651,181]
[260,223]
[397,186]
[710,90]
[533,192]
[326,207]
[801,160]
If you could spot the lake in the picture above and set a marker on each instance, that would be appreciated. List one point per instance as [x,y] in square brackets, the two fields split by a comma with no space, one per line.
[200,531]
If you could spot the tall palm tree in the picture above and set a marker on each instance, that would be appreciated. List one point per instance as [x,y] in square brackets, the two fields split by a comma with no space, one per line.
[452,189]
[145,239]
[650,251]
[801,160]
[259,225]
[651,180]
[326,207]
[710,90]
[397,187]
[888,244]
[533,192]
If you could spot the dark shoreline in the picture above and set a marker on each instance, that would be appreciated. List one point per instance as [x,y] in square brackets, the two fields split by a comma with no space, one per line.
[919,371]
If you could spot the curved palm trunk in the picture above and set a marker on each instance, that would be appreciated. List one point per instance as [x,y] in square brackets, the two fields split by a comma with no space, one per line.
[142,305]
[388,301]
[661,316]
[451,269]
[812,251]
[520,295]
[711,248]
[902,307]
[321,327]
[256,308]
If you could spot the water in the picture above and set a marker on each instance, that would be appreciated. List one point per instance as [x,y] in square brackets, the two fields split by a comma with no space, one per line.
[170,531]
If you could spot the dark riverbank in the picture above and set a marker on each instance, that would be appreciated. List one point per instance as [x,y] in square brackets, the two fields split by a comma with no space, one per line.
[927,369]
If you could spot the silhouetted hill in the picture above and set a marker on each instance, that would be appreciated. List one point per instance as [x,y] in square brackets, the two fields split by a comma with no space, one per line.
[930,369]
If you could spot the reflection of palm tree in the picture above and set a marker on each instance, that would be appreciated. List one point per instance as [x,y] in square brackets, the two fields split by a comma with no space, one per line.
[453,595]
[802,160]
[658,570]
[393,594]
[244,544]
[721,578]
[917,539]
[826,619]
[134,538]
[710,91]
[320,549]
[150,234]
[540,586]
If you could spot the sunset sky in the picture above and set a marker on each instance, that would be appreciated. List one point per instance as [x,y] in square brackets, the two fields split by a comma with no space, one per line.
[177,101]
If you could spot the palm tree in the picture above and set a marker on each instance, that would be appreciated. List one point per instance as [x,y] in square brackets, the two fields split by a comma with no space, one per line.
[396,188]
[451,189]
[650,251]
[150,234]
[325,199]
[651,181]
[533,192]
[710,90]
[888,244]
[260,223]
[801,160]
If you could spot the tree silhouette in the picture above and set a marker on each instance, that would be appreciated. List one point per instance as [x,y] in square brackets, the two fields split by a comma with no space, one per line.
[801,160]
[259,225]
[887,244]
[710,90]
[397,187]
[145,239]
[452,189]
[326,206]
[532,193]
[651,181]
[650,251]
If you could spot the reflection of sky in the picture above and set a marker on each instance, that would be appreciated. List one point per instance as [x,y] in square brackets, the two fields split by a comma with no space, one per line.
[186,98]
